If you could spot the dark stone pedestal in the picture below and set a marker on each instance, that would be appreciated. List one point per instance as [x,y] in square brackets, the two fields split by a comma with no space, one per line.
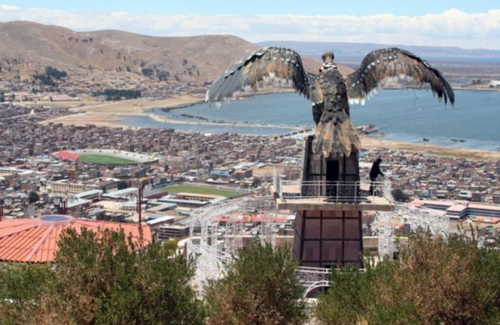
[326,237]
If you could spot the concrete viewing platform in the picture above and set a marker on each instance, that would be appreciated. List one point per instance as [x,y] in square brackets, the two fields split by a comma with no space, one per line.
[338,196]
[374,203]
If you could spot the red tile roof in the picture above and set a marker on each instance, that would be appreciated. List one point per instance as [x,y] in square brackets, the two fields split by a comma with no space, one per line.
[35,240]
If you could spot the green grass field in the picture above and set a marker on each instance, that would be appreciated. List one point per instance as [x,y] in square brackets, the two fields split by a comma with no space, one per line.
[105,160]
[202,190]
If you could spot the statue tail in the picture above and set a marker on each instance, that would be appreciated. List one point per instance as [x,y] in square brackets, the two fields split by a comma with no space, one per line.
[335,135]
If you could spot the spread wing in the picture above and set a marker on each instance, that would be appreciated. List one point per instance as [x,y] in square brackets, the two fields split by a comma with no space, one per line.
[315,96]
[263,65]
[393,62]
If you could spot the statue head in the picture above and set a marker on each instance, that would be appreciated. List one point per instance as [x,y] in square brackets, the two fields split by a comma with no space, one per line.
[327,57]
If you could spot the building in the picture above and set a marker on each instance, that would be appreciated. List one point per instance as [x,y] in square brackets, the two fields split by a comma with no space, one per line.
[465,195]
[36,240]
[182,202]
[243,173]
[65,187]
[92,195]
[220,173]
[156,223]
[476,197]
[460,210]
[9,172]
[161,208]
[172,231]
[496,197]
[197,197]
[122,194]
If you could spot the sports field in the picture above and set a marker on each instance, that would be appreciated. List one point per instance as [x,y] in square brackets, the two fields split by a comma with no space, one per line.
[202,190]
[105,160]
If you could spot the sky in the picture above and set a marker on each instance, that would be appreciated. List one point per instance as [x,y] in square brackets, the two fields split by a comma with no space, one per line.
[466,24]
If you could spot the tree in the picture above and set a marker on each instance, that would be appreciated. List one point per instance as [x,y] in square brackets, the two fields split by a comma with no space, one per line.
[400,196]
[106,277]
[147,72]
[121,185]
[33,197]
[47,78]
[261,287]
[117,94]
[54,73]
[20,286]
[256,182]
[433,282]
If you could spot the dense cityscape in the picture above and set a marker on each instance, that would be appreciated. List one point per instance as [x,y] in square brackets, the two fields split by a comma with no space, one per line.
[30,163]
[126,198]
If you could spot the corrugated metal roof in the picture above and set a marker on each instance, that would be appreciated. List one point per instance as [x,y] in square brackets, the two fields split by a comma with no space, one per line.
[122,193]
[160,220]
[35,240]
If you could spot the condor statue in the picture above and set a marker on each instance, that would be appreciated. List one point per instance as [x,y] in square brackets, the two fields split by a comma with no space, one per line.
[328,91]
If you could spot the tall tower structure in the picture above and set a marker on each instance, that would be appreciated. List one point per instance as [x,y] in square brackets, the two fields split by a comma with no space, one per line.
[329,201]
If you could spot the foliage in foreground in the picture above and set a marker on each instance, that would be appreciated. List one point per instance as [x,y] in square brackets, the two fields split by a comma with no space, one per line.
[261,287]
[101,278]
[106,278]
[433,282]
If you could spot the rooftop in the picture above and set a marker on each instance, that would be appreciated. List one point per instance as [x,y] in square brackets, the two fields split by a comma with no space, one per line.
[123,193]
[35,240]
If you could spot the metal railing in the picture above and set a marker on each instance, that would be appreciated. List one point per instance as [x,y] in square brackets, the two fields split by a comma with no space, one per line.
[353,192]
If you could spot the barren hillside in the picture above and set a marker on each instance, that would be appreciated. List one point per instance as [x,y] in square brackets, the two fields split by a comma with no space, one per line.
[111,56]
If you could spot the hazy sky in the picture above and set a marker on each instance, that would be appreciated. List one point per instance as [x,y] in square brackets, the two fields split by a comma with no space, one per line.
[468,24]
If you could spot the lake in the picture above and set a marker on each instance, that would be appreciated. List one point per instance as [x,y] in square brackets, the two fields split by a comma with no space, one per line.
[403,115]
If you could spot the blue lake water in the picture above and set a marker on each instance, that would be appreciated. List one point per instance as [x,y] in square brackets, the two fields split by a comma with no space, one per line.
[403,115]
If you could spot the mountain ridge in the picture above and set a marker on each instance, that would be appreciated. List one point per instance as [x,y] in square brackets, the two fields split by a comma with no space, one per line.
[346,49]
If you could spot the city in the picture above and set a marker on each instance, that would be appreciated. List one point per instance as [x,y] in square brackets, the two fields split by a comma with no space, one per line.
[162,166]
[30,164]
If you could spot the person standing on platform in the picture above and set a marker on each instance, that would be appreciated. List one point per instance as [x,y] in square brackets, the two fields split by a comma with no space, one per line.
[374,172]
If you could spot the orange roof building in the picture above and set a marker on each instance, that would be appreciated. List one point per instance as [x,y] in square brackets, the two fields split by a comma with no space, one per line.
[35,240]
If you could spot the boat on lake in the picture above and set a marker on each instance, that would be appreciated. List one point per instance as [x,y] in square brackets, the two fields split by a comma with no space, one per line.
[367,129]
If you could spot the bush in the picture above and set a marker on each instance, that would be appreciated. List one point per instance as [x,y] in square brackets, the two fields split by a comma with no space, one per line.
[400,196]
[20,286]
[147,72]
[261,287]
[433,282]
[54,73]
[33,197]
[117,94]
[51,74]
[104,278]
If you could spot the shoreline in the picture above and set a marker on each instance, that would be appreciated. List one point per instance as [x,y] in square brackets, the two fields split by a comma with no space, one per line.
[429,149]
[164,119]
[111,114]
[367,142]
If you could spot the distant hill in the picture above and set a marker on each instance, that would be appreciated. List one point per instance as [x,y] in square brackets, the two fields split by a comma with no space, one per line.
[28,47]
[354,52]
[112,57]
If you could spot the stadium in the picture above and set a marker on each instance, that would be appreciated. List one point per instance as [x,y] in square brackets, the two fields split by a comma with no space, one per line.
[105,157]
